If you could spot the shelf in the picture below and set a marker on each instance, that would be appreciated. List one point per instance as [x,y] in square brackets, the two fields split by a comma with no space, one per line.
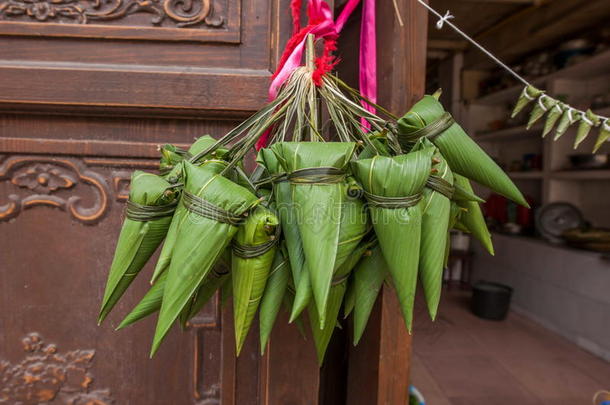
[510,133]
[531,175]
[581,175]
[594,66]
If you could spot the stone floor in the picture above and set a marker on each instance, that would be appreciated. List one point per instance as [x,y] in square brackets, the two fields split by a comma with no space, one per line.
[463,360]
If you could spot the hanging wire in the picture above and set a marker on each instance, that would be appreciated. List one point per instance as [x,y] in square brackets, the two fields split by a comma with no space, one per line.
[444,19]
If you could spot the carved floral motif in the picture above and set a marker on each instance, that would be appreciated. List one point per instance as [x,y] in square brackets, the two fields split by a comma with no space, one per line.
[43,178]
[46,177]
[45,375]
[182,13]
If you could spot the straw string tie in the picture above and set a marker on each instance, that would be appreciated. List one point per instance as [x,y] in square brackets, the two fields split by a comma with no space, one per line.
[316,175]
[143,213]
[392,202]
[206,209]
[252,251]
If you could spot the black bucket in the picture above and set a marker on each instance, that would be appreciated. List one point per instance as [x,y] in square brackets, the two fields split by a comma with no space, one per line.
[491,300]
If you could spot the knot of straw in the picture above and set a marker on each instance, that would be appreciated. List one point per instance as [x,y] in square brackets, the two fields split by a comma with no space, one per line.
[142,213]
[430,131]
[252,251]
[440,185]
[317,175]
[206,209]
[392,202]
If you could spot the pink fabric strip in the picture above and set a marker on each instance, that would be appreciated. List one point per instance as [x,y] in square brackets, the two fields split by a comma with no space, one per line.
[368,57]
[320,12]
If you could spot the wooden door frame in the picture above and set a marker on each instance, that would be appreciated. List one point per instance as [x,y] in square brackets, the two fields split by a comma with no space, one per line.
[379,367]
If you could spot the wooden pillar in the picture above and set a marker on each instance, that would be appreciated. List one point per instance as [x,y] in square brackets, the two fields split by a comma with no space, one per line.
[379,367]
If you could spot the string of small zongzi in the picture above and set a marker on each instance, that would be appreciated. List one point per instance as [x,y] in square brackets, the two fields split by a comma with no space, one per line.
[206,209]
[142,213]
[588,119]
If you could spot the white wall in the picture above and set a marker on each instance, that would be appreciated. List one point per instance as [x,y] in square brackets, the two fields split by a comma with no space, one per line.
[565,290]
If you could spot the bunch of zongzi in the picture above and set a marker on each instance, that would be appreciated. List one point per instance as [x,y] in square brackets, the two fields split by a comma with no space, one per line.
[317,227]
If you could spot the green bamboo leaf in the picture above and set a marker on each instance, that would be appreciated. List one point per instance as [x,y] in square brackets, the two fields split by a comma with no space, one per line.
[201,240]
[171,155]
[290,230]
[350,299]
[139,236]
[323,331]
[322,336]
[398,228]
[461,194]
[213,282]
[455,213]
[271,302]
[302,296]
[180,215]
[150,303]
[378,146]
[369,275]
[318,206]
[250,268]
[472,217]
[461,152]
[434,238]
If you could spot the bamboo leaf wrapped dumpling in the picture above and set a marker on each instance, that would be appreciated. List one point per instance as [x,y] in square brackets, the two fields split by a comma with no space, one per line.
[435,222]
[275,289]
[322,332]
[152,202]
[429,119]
[354,227]
[254,248]
[214,281]
[149,304]
[287,213]
[179,216]
[316,172]
[471,217]
[215,207]
[369,275]
[393,188]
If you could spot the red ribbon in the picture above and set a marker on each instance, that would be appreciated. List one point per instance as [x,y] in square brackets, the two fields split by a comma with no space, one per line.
[321,25]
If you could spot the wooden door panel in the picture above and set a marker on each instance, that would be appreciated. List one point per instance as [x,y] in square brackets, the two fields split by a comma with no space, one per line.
[171,20]
[128,63]
[86,96]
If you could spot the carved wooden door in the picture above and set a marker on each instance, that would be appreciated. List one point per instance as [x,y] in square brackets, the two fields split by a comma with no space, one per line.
[88,88]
